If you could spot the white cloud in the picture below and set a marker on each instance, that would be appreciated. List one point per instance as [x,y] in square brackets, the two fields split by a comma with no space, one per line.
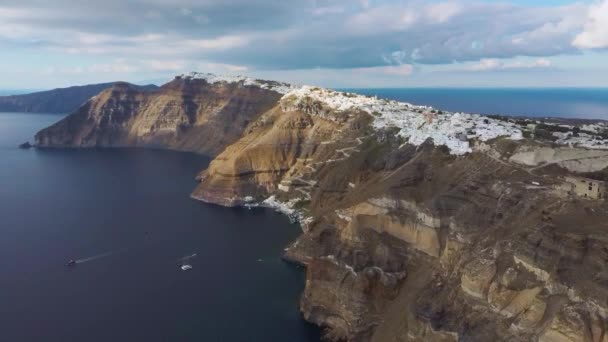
[329,10]
[492,64]
[222,68]
[364,3]
[486,64]
[64,70]
[542,63]
[125,66]
[117,67]
[399,70]
[219,43]
[595,34]
[443,11]
[162,65]
[12,13]
[390,70]
[382,19]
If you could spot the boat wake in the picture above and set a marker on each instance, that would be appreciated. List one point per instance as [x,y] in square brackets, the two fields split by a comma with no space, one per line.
[187,257]
[99,256]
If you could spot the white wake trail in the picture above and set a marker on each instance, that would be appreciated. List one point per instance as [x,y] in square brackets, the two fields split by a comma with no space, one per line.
[99,256]
[187,257]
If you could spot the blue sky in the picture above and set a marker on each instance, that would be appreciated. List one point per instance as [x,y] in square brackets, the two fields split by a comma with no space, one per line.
[335,43]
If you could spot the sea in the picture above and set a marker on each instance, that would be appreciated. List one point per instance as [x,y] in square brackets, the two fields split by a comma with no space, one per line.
[126,218]
[577,103]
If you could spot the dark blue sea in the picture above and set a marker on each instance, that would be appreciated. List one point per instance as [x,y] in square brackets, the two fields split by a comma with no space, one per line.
[581,103]
[126,217]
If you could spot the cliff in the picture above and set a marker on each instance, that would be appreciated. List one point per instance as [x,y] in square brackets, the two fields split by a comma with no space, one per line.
[61,100]
[186,114]
[418,225]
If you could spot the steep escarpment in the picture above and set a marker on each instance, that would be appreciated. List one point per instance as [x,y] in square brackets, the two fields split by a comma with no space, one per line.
[188,114]
[414,241]
[417,225]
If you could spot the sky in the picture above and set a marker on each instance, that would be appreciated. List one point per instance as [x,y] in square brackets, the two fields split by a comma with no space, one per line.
[332,43]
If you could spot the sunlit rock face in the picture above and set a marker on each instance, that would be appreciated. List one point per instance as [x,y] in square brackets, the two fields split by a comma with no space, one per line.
[185,114]
[409,234]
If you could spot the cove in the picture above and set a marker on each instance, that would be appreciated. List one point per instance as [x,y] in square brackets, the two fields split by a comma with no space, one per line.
[127,213]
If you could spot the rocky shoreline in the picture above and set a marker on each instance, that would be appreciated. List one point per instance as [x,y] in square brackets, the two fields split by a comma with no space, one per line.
[417,224]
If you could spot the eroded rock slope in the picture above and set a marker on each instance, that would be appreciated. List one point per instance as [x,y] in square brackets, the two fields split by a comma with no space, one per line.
[186,114]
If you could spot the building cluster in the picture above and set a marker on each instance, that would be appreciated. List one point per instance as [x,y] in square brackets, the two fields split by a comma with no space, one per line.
[586,188]
[416,124]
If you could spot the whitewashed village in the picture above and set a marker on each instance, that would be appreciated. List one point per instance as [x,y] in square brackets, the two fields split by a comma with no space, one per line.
[579,147]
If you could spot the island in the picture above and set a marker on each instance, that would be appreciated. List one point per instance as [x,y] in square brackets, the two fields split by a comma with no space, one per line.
[417,223]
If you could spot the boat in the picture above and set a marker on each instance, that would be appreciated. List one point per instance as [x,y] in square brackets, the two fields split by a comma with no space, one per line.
[71,263]
[186,267]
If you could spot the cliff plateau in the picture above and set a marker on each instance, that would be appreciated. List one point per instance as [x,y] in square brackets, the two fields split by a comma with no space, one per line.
[418,225]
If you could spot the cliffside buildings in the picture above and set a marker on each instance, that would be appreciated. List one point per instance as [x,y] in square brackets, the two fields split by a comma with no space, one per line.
[586,188]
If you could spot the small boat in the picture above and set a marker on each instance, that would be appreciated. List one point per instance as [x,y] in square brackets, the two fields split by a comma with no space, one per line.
[186,267]
[71,263]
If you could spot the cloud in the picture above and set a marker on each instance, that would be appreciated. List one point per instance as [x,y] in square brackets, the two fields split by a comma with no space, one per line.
[443,11]
[490,64]
[118,66]
[320,11]
[219,43]
[391,70]
[540,63]
[416,32]
[486,64]
[221,68]
[595,34]
[382,19]
[161,65]
[294,35]
[129,66]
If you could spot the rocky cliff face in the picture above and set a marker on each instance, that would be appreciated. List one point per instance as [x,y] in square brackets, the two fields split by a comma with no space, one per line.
[185,114]
[416,227]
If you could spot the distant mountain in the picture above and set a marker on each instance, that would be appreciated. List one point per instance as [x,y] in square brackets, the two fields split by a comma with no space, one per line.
[7,92]
[60,100]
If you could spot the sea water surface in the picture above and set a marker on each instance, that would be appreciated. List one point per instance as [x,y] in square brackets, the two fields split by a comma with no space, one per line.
[126,216]
[580,103]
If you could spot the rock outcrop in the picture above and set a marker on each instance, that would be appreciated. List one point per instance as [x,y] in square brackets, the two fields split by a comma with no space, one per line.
[403,240]
[572,159]
[26,145]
